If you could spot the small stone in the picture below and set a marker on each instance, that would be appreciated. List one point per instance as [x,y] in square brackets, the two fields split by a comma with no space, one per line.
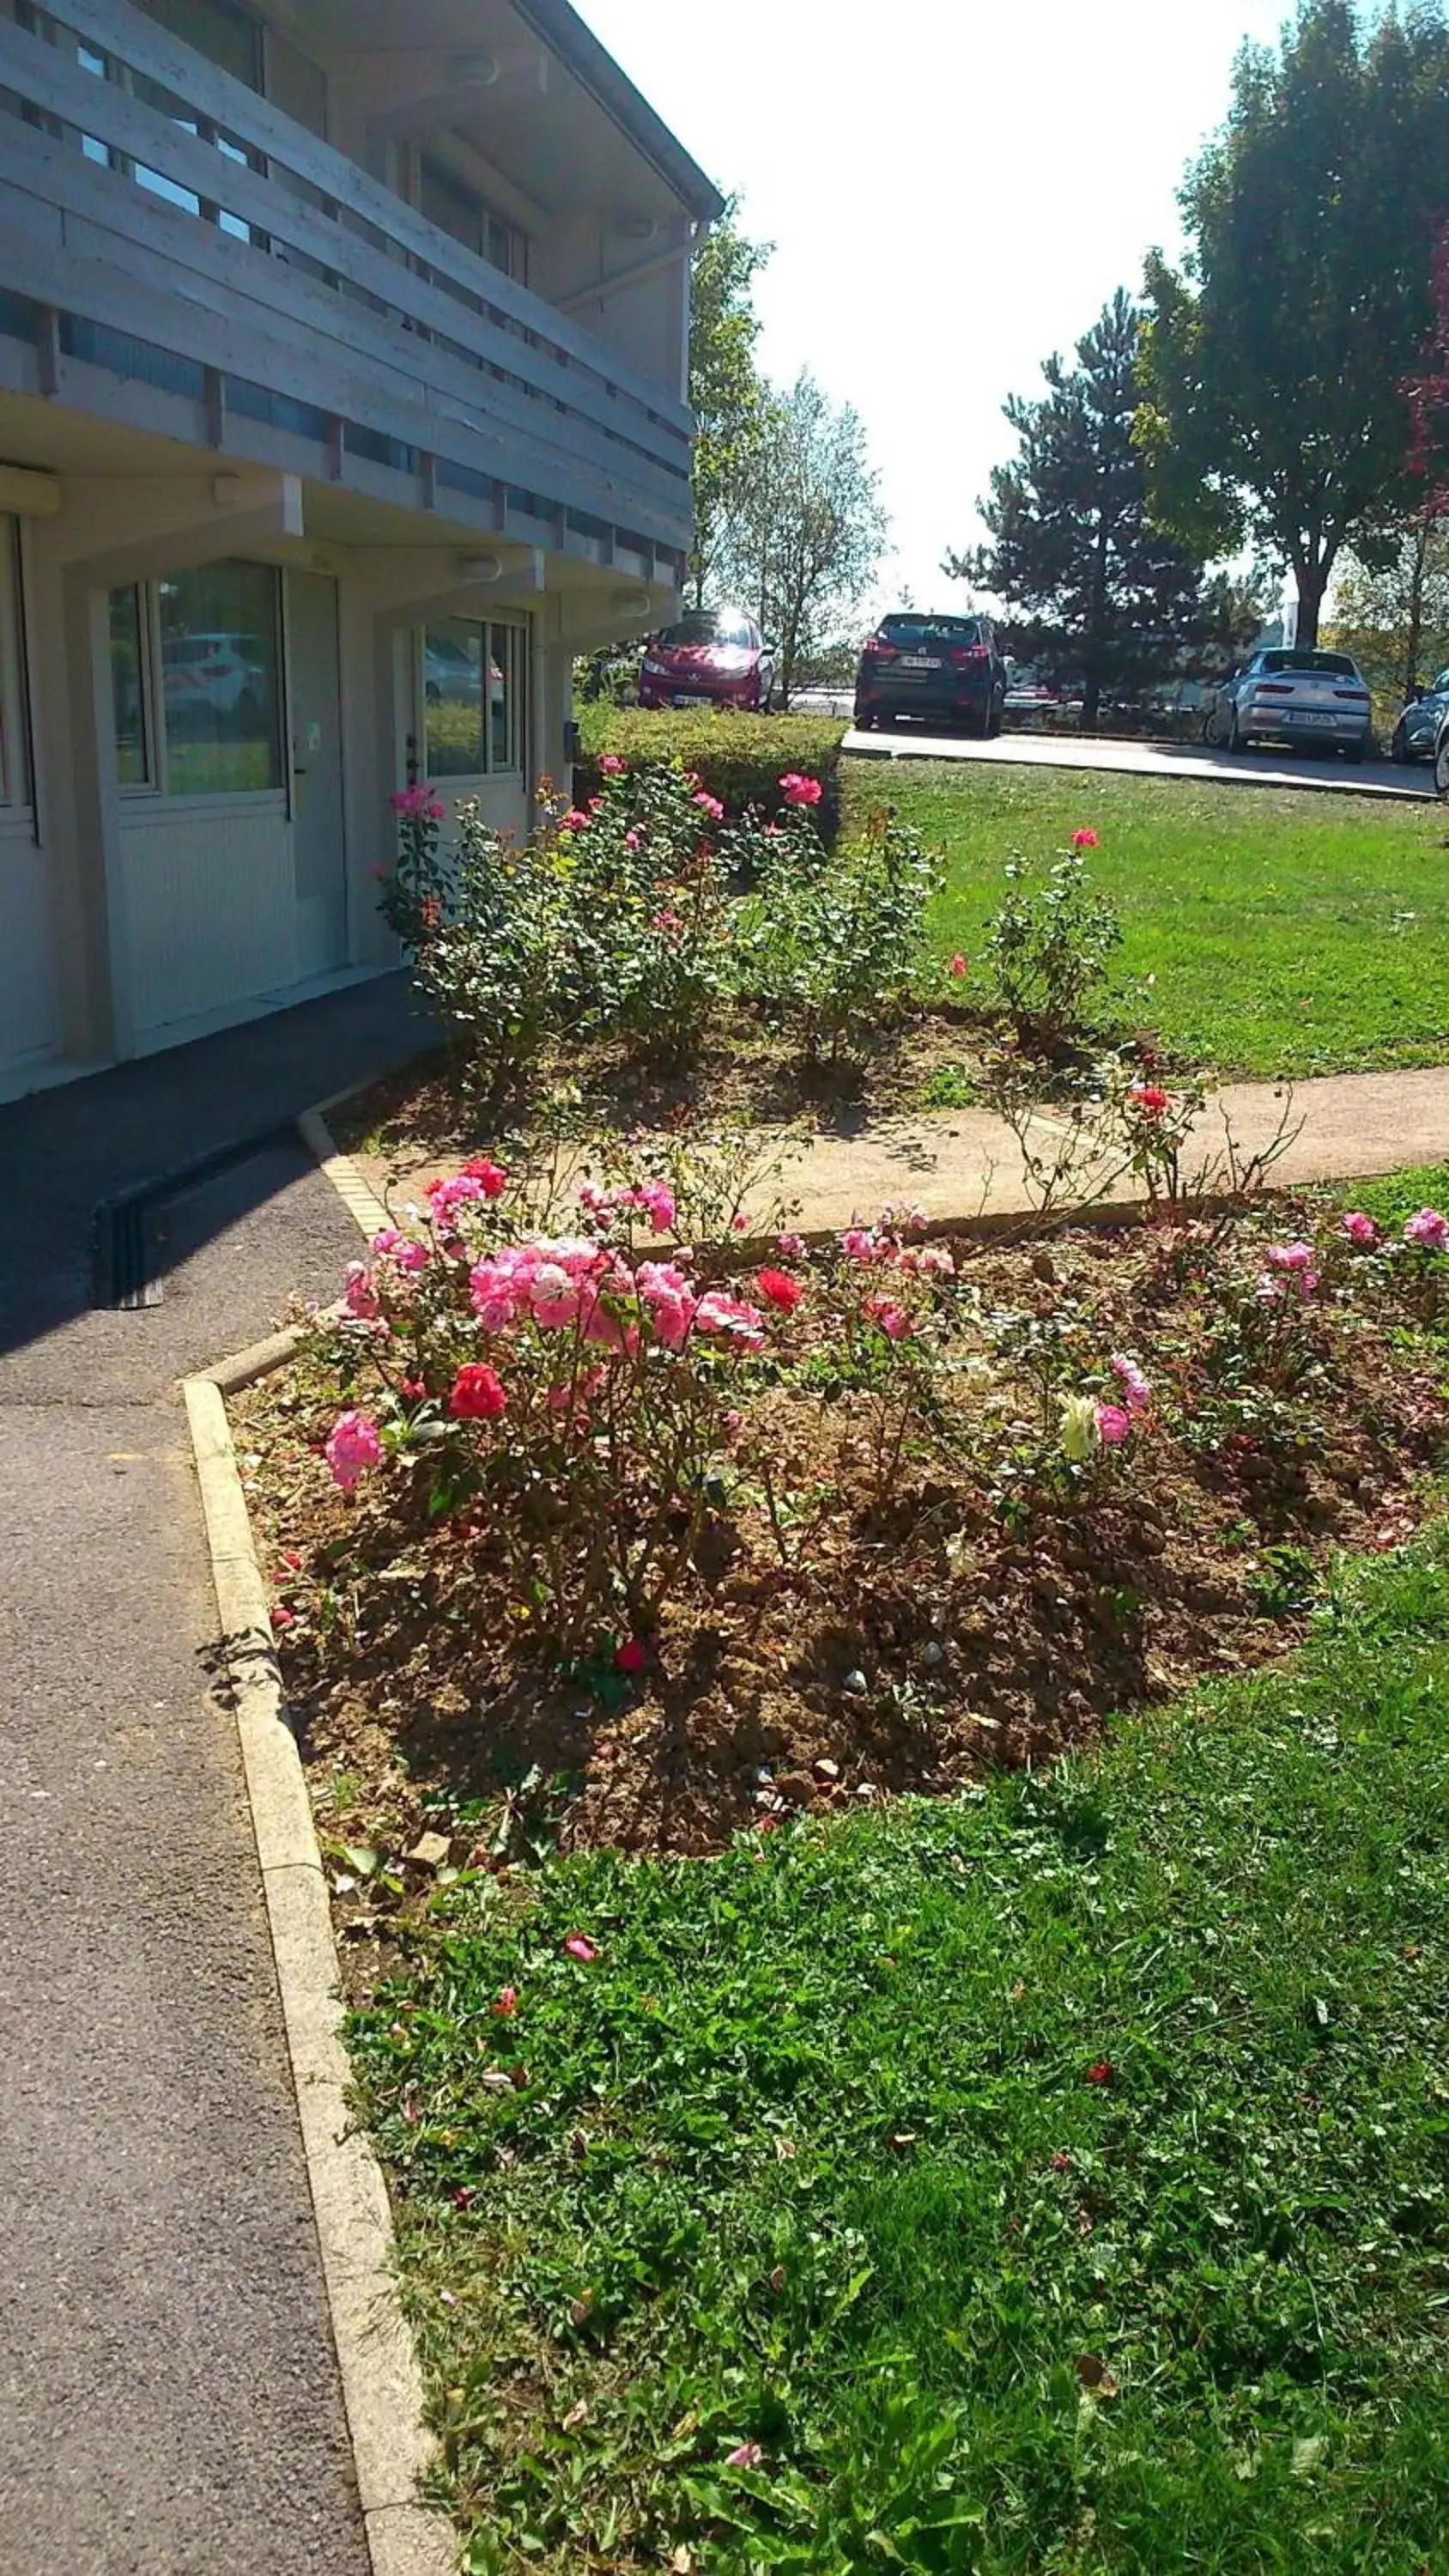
[764,1775]
[430,1851]
[855,1684]
[933,1653]
[866,1789]
[825,1769]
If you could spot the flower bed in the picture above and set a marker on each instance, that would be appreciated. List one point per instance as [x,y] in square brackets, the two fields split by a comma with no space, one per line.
[687,1542]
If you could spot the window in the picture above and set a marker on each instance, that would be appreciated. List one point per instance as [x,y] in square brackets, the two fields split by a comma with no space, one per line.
[473,696]
[14,740]
[454,208]
[727,626]
[196,682]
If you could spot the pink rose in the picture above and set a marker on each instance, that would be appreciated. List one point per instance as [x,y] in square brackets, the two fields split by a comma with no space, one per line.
[1428,1229]
[353,1445]
[958,967]
[611,766]
[1113,1425]
[1361,1229]
[799,790]
[1085,841]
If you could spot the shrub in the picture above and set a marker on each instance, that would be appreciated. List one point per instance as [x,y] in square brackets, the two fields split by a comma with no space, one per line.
[832,941]
[615,918]
[738,758]
[1049,946]
[566,1399]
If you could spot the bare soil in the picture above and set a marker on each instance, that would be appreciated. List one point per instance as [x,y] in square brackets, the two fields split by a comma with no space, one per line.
[911,1638]
[745,1073]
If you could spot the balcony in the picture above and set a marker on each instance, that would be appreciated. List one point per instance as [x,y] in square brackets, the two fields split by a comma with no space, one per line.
[208,268]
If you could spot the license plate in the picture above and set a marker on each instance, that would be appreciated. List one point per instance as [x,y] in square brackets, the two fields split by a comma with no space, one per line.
[1307,715]
[681,699]
[918,662]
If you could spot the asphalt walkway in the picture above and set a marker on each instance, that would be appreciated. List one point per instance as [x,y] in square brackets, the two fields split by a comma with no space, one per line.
[168,2392]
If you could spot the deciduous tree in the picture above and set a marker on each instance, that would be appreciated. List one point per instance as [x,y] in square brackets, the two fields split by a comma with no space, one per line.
[1276,359]
[725,389]
[808,530]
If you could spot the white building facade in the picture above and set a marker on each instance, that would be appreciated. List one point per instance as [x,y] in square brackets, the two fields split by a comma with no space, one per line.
[343,353]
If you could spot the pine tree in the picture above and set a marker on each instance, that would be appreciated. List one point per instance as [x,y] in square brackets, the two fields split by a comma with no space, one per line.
[1101,596]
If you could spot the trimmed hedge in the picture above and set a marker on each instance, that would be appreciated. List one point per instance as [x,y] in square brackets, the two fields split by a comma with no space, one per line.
[740,759]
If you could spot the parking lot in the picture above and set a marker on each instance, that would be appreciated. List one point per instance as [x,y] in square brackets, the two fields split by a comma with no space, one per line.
[1331,776]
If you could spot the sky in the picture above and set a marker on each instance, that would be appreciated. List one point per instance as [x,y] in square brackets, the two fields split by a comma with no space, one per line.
[954,188]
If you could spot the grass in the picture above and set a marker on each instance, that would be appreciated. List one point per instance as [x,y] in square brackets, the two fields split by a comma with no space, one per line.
[1053,2180]
[1287,932]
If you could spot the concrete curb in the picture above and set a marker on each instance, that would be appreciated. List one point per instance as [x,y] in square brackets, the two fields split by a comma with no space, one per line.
[381,2381]
[362,1204]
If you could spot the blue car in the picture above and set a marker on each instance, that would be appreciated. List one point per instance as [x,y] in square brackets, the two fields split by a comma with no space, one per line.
[1417,730]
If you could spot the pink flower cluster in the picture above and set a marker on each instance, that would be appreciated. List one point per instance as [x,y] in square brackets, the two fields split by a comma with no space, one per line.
[1288,1261]
[1136,1393]
[575,1282]
[611,766]
[353,1446]
[1360,1229]
[1429,1230]
[709,805]
[880,1244]
[401,1250]
[414,802]
[654,1199]
[797,789]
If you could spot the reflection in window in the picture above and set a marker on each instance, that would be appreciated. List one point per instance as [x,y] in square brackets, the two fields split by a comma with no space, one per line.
[473,696]
[220,680]
[128,693]
[203,718]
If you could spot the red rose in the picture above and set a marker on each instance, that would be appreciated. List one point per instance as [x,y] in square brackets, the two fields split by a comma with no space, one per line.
[492,1176]
[1102,2073]
[780,1289]
[632,1656]
[478,1395]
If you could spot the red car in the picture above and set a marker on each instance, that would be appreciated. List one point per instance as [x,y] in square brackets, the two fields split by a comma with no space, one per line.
[715,654]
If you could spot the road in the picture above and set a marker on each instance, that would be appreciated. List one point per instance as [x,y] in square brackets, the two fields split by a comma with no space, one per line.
[1329,776]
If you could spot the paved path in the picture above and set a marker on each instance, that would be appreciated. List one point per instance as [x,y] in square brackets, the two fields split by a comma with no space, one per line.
[964,1162]
[168,2395]
[958,1163]
[1330,776]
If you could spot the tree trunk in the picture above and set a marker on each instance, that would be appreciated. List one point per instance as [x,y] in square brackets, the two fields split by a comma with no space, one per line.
[1416,607]
[1096,632]
[1312,579]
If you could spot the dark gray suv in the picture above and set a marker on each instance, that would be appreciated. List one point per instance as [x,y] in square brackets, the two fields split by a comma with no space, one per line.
[946,670]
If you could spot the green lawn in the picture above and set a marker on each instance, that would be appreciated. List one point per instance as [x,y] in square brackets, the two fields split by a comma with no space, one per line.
[1288,932]
[1049,2181]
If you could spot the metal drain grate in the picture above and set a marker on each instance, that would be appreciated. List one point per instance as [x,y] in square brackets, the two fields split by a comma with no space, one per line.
[129,1235]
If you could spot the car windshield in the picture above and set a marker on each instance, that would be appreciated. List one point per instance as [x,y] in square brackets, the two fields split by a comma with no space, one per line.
[1339,665]
[930,630]
[712,626]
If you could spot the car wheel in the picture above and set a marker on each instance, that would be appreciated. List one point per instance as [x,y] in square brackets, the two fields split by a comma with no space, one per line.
[1235,741]
[863,720]
[996,718]
[1399,747]
[1441,766]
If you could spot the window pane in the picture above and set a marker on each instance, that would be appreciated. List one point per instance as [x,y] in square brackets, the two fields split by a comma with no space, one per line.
[128,695]
[220,682]
[505,749]
[453,695]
